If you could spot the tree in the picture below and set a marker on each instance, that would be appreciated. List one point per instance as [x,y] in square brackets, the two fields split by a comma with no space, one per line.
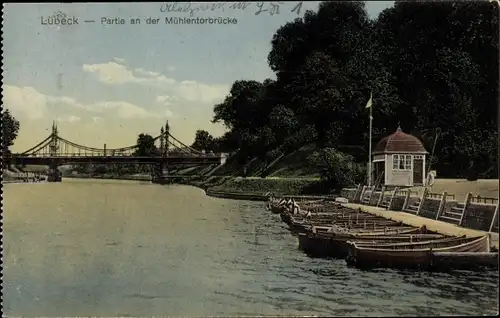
[241,108]
[226,143]
[10,129]
[203,141]
[100,169]
[245,113]
[336,168]
[146,146]
[321,62]
[457,79]
[429,65]
[283,122]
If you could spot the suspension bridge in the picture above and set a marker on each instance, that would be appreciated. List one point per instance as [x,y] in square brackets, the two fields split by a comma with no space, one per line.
[55,151]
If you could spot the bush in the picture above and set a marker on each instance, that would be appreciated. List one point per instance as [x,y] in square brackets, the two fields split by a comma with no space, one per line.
[359,173]
[337,169]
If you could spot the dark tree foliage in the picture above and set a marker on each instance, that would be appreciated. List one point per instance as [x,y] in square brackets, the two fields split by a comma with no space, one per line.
[430,65]
[146,146]
[203,141]
[10,129]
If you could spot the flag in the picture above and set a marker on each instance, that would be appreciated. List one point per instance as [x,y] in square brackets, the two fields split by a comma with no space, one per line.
[369,104]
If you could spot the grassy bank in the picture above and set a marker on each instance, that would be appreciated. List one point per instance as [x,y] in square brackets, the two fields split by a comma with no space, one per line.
[290,174]
[292,165]
[254,185]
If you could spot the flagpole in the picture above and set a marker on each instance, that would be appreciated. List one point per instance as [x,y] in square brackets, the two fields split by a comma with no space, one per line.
[369,104]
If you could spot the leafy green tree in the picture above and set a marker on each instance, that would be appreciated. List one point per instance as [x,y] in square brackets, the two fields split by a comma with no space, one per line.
[457,79]
[146,146]
[228,142]
[240,109]
[428,64]
[336,168]
[203,141]
[321,61]
[10,129]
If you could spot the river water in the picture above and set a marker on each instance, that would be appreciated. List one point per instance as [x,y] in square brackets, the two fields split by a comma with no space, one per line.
[122,248]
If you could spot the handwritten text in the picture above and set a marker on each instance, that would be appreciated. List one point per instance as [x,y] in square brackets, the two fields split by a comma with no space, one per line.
[271,8]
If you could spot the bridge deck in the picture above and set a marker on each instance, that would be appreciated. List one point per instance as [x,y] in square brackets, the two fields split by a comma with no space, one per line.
[56,150]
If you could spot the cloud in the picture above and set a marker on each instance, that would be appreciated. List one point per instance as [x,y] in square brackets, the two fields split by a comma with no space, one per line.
[111,73]
[119,60]
[147,73]
[25,101]
[126,110]
[165,100]
[33,105]
[198,92]
[69,119]
[114,74]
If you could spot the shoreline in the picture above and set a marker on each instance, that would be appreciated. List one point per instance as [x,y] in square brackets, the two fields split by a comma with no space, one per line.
[22,182]
[256,188]
[261,197]
[128,178]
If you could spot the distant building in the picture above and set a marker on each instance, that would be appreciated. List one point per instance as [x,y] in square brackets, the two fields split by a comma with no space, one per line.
[399,160]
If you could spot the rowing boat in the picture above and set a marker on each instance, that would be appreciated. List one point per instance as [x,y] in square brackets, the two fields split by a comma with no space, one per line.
[337,211]
[402,256]
[367,222]
[284,205]
[334,230]
[328,245]
[289,218]
[304,227]
[275,209]
[411,244]
[357,219]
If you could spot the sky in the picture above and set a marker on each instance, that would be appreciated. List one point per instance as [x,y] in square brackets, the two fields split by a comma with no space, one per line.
[106,83]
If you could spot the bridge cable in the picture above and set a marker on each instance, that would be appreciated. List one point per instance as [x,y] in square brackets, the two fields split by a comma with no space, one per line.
[31,150]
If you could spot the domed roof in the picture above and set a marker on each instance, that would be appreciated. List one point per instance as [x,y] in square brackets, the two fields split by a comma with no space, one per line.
[399,142]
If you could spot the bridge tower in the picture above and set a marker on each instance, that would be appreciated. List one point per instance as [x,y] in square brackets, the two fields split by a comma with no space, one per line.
[53,174]
[53,145]
[167,135]
[162,141]
[162,165]
[167,145]
[157,168]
